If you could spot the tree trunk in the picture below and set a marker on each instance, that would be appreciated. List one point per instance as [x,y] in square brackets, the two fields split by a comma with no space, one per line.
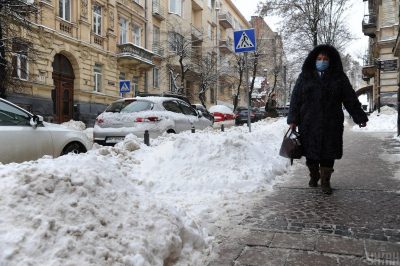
[254,74]
[3,64]
[181,90]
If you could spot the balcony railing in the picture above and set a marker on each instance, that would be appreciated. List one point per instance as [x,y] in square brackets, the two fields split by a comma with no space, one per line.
[133,52]
[226,21]
[158,10]
[157,49]
[197,33]
[369,25]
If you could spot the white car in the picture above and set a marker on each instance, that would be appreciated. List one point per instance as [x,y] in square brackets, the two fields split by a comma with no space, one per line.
[25,136]
[155,114]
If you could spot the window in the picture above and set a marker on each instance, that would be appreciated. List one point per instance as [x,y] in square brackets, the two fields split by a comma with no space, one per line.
[137,35]
[11,116]
[187,109]
[209,3]
[209,31]
[123,30]
[175,41]
[64,10]
[97,19]
[97,77]
[175,6]
[135,85]
[172,106]
[138,106]
[20,60]
[156,77]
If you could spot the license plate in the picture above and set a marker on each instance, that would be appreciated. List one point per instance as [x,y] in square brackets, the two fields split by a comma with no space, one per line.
[114,139]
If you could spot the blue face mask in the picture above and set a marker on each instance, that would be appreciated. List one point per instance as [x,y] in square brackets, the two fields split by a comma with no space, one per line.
[321,65]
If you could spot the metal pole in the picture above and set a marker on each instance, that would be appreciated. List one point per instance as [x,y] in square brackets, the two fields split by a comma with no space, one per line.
[146,138]
[284,87]
[398,111]
[247,92]
[217,45]
[379,90]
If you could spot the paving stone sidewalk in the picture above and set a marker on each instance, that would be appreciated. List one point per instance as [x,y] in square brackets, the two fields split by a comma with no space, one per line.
[358,225]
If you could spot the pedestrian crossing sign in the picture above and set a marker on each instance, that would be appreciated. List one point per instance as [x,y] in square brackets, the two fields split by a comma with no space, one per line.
[244,40]
[124,86]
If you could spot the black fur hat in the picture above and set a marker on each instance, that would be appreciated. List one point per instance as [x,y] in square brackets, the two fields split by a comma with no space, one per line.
[335,62]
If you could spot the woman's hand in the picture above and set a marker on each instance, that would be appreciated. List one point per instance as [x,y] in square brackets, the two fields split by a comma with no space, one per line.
[364,124]
[293,126]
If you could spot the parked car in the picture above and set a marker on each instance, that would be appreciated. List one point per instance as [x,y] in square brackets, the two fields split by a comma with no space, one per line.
[155,114]
[25,136]
[242,114]
[204,111]
[259,114]
[282,111]
[221,113]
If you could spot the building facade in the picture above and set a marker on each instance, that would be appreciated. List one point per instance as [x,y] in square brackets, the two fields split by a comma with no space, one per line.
[381,25]
[86,47]
[271,63]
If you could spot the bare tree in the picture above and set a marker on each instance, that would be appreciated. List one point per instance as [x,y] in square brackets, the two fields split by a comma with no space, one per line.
[239,69]
[306,23]
[14,16]
[179,55]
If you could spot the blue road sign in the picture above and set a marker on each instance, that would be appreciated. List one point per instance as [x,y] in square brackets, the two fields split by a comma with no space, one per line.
[124,86]
[244,40]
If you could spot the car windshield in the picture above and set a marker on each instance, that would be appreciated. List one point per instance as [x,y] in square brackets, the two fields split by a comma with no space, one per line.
[116,107]
[137,106]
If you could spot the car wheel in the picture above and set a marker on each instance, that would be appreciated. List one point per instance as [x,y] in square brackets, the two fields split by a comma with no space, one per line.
[74,147]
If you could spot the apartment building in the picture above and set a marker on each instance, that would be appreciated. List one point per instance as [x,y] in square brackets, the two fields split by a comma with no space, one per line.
[381,25]
[271,62]
[86,47]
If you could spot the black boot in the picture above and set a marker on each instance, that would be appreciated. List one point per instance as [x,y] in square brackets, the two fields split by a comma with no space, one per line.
[314,175]
[326,173]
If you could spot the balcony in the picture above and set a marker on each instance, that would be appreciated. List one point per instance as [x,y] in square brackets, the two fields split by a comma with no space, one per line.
[225,20]
[226,46]
[197,33]
[132,55]
[158,10]
[158,50]
[369,25]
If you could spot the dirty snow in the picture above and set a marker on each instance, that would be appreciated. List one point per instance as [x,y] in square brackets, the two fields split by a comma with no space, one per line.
[136,205]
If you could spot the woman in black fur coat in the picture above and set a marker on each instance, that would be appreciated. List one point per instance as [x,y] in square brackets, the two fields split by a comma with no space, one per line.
[316,108]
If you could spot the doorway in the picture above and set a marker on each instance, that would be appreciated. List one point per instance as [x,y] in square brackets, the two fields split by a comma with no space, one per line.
[63,92]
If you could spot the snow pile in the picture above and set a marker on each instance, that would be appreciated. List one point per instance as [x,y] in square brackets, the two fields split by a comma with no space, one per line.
[386,121]
[89,210]
[77,125]
[136,205]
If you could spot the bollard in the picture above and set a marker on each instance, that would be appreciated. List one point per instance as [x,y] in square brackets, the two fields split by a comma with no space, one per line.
[146,138]
[222,128]
[193,129]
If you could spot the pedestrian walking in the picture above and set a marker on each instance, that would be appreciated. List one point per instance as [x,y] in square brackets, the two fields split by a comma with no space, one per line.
[316,109]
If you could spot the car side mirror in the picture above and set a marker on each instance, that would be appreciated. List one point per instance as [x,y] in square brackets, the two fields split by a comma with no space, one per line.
[200,113]
[36,120]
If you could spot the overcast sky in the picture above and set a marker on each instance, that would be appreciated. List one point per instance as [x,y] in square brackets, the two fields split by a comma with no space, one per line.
[355,15]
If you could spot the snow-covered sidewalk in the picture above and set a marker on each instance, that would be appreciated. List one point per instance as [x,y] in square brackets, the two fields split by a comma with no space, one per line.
[136,205]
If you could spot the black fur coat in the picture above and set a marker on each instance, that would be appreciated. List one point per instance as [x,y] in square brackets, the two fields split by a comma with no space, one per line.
[316,106]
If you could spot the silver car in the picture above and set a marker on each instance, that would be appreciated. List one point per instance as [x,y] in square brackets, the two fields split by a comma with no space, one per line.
[155,114]
[25,136]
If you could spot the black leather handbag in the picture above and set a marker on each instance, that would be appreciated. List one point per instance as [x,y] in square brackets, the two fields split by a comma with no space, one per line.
[291,147]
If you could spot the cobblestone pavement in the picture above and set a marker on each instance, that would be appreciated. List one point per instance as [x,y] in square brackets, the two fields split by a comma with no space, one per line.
[358,225]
